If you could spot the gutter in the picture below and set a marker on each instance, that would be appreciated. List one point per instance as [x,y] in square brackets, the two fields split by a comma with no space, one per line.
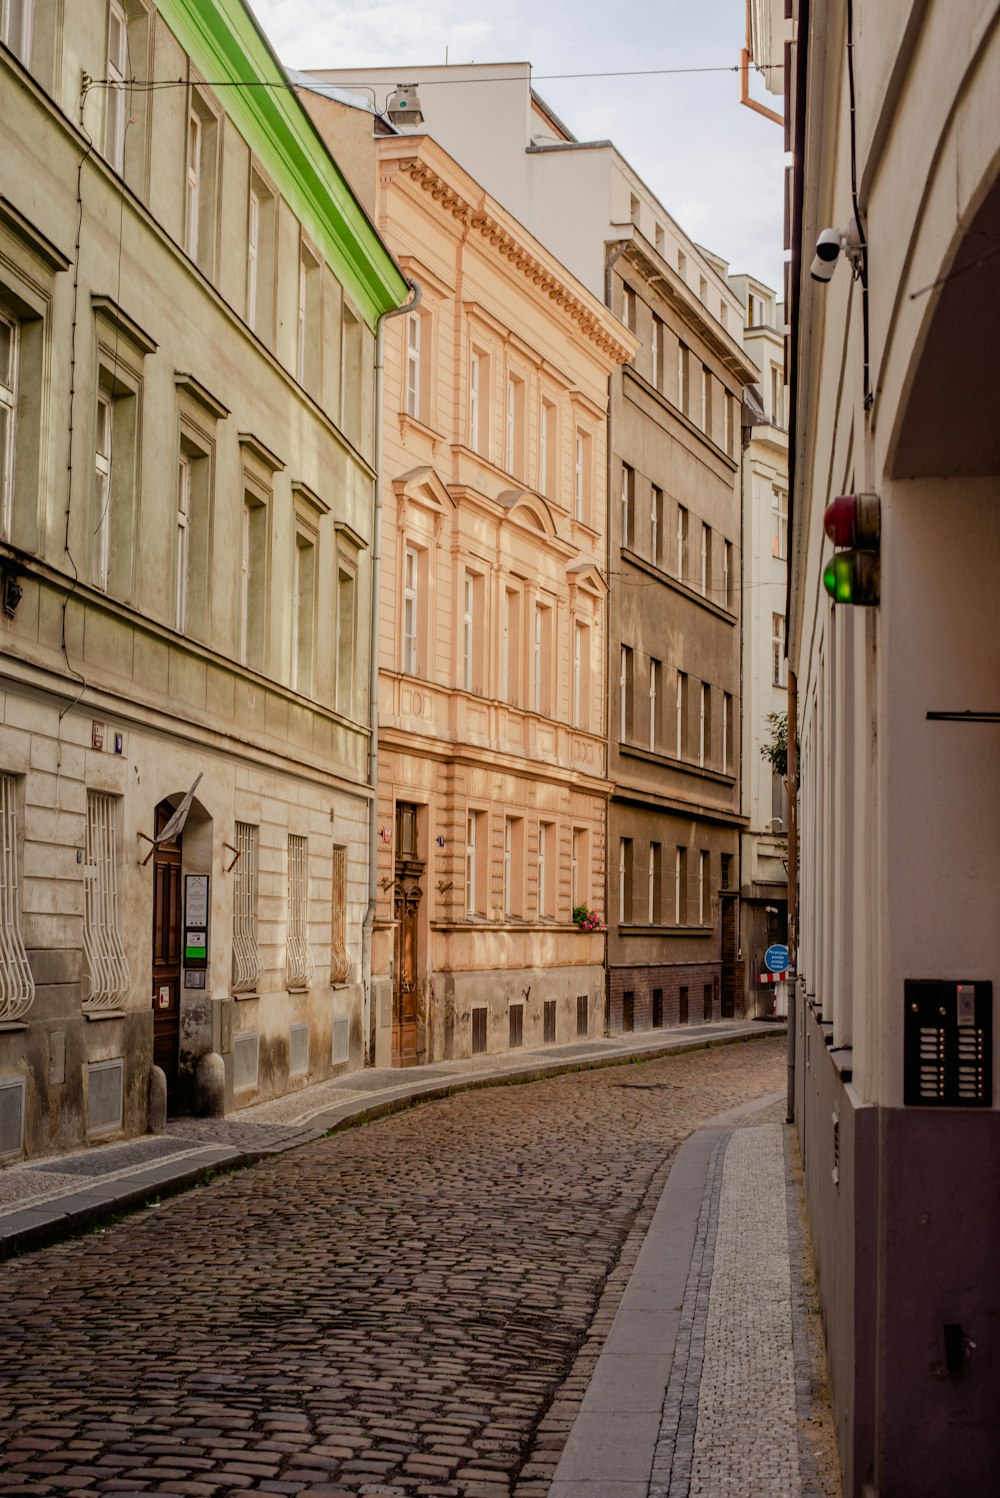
[368,1008]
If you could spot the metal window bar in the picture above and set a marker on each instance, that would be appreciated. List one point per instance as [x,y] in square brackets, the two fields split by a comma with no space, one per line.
[247,966]
[17,986]
[107,977]
[340,958]
[298,961]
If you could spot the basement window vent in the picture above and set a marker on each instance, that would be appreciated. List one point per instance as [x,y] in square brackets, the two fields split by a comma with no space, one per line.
[582,1016]
[246,1051]
[341,1040]
[516,1026]
[549,1022]
[105,1090]
[11,1117]
[479,1032]
[298,1050]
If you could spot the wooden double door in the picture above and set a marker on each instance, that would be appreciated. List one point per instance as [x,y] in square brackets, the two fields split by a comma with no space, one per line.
[167,934]
[407,895]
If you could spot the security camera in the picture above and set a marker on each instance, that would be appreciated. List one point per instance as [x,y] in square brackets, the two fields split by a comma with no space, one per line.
[828,248]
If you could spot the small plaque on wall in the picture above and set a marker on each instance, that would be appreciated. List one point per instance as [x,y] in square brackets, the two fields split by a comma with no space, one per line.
[194,977]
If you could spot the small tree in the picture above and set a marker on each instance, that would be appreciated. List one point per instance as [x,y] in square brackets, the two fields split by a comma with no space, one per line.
[775,750]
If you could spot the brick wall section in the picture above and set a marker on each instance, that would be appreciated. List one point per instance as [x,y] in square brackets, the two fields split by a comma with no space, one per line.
[642,982]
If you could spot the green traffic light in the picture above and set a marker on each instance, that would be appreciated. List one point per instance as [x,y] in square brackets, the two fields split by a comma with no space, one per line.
[852,577]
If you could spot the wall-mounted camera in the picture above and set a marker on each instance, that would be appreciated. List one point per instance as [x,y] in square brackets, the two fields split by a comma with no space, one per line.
[829,246]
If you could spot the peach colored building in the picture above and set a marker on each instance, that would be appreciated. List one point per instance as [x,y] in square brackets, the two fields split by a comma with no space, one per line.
[492,734]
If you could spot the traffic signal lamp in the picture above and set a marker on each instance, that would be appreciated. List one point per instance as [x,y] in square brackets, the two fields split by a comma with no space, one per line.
[853,522]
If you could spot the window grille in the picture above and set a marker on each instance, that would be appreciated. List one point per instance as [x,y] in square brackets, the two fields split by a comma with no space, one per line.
[107,978]
[340,958]
[298,960]
[247,967]
[17,986]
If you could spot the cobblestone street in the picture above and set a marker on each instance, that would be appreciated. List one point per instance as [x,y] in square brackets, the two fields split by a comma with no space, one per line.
[413,1307]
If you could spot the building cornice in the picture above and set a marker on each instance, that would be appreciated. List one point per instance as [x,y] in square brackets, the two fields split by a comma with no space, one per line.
[428,167]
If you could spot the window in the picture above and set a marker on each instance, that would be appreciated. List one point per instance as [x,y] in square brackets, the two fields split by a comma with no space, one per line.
[541,683]
[347,628]
[253,582]
[192,561]
[629,308]
[653,885]
[247,966]
[183,540]
[580,866]
[727,730]
[726,436]
[706,560]
[633,208]
[680,714]
[656,352]
[704,892]
[547,450]
[510,651]
[298,959]
[475,413]
[475,863]
[413,331]
[705,725]
[9,350]
[682,536]
[727,575]
[468,629]
[751,310]
[660,237]
[779,517]
[114,118]
[778,677]
[303,610]
[706,401]
[779,802]
[308,342]
[777,396]
[352,378]
[680,886]
[513,866]
[411,601]
[17,986]
[260,258]
[625,695]
[681,264]
[115,478]
[340,957]
[683,367]
[582,477]
[514,427]
[628,506]
[655,677]
[107,979]
[625,880]
[546,870]
[581,675]
[703,289]
[656,527]
[202,182]
[102,490]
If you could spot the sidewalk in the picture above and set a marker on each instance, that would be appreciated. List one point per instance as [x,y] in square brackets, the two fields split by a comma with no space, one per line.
[42,1201]
[711,1381]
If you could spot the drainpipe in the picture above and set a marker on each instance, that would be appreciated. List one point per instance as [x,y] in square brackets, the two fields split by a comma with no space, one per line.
[793,876]
[368,1008]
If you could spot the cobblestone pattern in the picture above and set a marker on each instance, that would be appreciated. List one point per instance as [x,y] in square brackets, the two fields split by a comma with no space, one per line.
[390,1311]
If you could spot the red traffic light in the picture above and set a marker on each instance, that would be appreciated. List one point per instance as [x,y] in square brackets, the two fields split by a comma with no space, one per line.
[854,520]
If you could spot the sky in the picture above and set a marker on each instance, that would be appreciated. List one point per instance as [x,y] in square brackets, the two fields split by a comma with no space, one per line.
[715,165]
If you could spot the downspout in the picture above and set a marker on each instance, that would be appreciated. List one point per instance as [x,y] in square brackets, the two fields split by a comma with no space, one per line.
[793,875]
[613,250]
[368,1008]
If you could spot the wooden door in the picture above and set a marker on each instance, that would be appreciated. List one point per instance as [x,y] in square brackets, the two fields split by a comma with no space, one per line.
[407,895]
[730,957]
[166,953]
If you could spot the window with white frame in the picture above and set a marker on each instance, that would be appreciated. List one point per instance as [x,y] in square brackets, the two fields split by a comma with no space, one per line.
[413,372]
[16,22]
[726,418]
[475,863]
[107,978]
[102,490]
[625,695]
[653,885]
[114,118]
[655,677]
[546,870]
[706,560]
[705,725]
[656,352]
[247,965]
[779,516]
[184,466]
[682,535]
[10,334]
[778,678]
[411,608]
[777,395]
[468,629]
[253,581]
[303,610]
[656,526]
[260,257]
[580,866]
[541,674]
[582,478]
[628,506]
[193,194]
[706,400]
[727,730]
[347,634]
[704,889]
[727,574]
[680,886]
[683,376]
[581,675]
[680,714]
[298,958]
[510,647]
[513,866]
[514,427]
[624,879]
[547,450]
[202,180]
[308,352]
[17,986]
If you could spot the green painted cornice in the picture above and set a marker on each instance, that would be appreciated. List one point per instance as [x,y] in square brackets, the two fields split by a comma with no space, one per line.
[226,46]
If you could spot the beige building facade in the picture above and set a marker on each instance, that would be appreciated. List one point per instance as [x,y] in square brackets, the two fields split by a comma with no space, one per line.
[188,300]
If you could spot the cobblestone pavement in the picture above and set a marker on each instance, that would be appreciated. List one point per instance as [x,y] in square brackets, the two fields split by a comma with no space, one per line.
[408,1308]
